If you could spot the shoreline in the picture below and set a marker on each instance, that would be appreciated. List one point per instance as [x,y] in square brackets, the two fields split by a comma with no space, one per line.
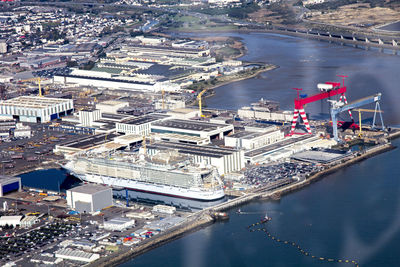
[268,67]
[297,34]
[201,220]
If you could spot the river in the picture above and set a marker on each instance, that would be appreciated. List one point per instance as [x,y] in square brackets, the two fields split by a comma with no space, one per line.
[352,214]
[303,64]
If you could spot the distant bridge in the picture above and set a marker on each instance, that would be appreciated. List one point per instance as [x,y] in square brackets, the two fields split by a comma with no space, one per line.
[357,39]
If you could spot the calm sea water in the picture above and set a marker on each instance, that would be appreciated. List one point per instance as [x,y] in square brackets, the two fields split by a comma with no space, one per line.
[51,179]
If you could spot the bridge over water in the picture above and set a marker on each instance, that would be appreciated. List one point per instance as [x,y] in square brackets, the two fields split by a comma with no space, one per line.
[356,39]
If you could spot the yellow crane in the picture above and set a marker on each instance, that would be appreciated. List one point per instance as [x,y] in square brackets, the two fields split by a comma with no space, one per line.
[199,99]
[359,110]
[37,79]
[40,89]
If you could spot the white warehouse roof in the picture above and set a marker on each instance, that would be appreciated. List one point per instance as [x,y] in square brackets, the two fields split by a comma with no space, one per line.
[89,189]
[72,254]
[34,101]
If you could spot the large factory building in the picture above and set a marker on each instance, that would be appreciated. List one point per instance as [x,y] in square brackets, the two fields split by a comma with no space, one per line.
[35,108]
[89,197]
[193,128]
[9,184]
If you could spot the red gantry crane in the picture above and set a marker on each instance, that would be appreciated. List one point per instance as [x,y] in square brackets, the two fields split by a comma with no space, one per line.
[327,90]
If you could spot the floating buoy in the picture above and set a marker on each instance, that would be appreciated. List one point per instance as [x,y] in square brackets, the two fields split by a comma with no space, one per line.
[293,244]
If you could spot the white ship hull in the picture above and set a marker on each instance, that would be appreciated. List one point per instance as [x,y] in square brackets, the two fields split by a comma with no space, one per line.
[187,193]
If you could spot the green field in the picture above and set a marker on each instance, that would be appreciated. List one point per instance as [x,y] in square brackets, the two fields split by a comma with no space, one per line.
[192,23]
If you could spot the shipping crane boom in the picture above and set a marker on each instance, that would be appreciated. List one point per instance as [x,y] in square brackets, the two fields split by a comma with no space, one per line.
[338,107]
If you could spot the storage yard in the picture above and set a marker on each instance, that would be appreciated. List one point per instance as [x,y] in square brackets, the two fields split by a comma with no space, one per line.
[56,229]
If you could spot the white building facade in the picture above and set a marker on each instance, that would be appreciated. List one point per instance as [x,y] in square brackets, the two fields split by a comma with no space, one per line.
[36,109]
[89,198]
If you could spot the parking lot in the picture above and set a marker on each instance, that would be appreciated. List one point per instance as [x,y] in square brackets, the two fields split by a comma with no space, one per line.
[59,228]
[262,175]
[49,73]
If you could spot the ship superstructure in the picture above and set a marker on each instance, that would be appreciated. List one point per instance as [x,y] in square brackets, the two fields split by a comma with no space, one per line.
[167,173]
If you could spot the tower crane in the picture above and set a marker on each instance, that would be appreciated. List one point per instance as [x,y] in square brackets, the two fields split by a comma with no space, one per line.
[38,80]
[199,99]
[40,89]
[327,90]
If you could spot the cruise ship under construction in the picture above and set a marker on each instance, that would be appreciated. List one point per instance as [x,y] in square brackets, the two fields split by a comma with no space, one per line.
[166,173]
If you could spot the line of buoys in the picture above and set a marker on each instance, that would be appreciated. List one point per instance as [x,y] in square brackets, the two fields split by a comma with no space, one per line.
[293,244]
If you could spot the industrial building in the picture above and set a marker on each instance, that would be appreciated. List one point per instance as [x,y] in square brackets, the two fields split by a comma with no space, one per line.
[253,140]
[10,220]
[183,113]
[286,148]
[35,108]
[119,224]
[324,156]
[96,121]
[51,261]
[194,128]
[181,138]
[226,160]
[112,82]
[22,131]
[147,215]
[76,255]
[169,104]
[265,110]
[89,197]
[29,221]
[129,140]
[6,124]
[88,116]
[9,184]
[249,113]
[82,144]
[100,142]
[111,106]
[164,209]
[139,125]
[164,51]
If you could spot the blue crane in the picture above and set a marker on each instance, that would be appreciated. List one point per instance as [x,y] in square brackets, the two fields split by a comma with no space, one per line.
[338,107]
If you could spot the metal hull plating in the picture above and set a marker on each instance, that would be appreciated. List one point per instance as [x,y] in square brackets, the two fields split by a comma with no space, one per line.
[173,191]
